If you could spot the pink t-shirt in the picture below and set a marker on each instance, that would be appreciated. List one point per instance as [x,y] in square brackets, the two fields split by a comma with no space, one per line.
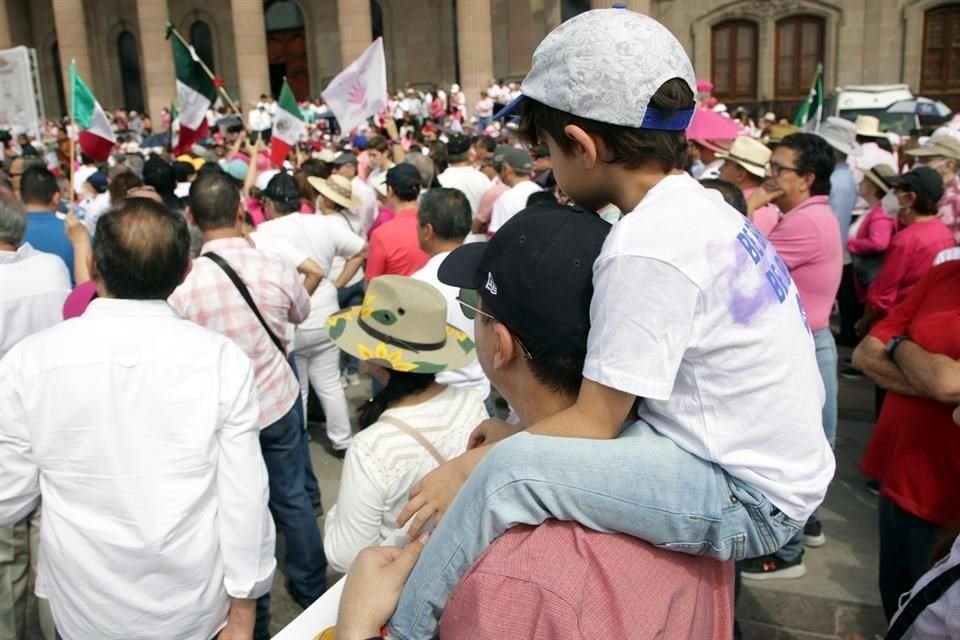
[562,581]
[808,240]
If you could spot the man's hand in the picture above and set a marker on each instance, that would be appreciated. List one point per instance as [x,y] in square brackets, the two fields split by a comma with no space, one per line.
[76,232]
[490,431]
[240,620]
[431,497]
[373,589]
[763,196]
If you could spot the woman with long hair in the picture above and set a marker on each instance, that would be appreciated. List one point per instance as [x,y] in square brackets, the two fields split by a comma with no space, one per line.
[412,424]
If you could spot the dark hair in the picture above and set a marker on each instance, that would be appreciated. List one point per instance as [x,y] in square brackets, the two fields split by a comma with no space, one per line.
[406,191]
[545,196]
[85,159]
[377,143]
[559,372]
[214,198]
[313,168]
[37,185]
[159,175]
[120,185]
[209,167]
[400,385]
[447,211]
[438,153]
[284,192]
[815,157]
[183,170]
[731,193]
[629,146]
[141,250]
[487,142]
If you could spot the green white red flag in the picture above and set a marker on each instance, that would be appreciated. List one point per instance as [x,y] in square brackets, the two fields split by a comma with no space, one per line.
[288,125]
[195,93]
[95,135]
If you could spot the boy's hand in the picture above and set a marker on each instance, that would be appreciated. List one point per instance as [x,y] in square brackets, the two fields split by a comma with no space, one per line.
[490,431]
[767,193]
[431,497]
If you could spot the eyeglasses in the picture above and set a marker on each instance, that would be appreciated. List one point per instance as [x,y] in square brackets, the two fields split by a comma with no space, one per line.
[776,169]
[469,299]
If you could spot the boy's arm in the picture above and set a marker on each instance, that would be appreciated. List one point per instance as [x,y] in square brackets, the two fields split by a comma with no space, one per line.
[599,412]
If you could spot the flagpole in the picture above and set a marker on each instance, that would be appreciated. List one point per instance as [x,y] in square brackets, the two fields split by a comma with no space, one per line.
[206,69]
[72,128]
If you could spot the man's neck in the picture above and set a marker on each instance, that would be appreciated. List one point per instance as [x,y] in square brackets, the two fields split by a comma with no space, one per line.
[405,206]
[537,403]
[7,246]
[441,246]
[37,208]
[222,234]
[789,204]
[462,163]
[515,180]
[910,217]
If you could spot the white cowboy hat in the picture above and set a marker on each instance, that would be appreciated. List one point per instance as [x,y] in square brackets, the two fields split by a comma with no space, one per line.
[868,126]
[338,189]
[750,154]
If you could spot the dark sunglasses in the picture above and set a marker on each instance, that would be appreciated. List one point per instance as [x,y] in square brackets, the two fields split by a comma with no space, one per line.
[469,301]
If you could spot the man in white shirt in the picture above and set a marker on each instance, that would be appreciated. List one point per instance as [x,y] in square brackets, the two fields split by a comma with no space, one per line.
[345,165]
[461,175]
[35,284]
[514,167]
[154,490]
[444,221]
[260,122]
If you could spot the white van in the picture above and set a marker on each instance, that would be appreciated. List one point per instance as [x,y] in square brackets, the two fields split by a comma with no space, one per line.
[873,100]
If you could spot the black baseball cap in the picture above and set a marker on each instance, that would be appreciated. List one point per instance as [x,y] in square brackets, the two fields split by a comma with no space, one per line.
[921,180]
[403,175]
[458,145]
[535,275]
[282,189]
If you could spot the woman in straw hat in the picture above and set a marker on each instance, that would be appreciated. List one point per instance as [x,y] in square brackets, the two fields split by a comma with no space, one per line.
[412,424]
[336,201]
[875,231]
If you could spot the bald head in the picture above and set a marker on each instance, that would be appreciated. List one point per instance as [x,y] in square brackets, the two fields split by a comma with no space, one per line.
[141,251]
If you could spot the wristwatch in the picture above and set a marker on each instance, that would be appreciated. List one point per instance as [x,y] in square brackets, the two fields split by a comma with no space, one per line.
[891,347]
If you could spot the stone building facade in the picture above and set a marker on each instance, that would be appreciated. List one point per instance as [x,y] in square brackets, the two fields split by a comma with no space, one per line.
[759,52]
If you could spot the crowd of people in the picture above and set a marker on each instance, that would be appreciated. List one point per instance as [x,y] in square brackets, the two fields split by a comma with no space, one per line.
[670,304]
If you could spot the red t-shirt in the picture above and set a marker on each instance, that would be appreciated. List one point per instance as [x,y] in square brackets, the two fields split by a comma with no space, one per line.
[562,581]
[395,247]
[915,448]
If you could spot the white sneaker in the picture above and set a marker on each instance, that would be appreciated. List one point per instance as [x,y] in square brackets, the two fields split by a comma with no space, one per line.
[353,379]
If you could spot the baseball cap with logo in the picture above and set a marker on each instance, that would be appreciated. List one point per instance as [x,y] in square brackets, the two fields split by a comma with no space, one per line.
[921,180]
[519,159]
[606,65]
[535,275]
[939,145]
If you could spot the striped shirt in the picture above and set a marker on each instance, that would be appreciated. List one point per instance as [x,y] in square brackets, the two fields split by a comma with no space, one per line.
[210,299]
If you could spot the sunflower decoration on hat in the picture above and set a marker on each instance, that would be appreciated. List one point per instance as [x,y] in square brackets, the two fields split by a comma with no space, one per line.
[402,326]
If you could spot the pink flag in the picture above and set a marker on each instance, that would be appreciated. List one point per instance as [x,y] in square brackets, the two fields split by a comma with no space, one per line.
[360,90]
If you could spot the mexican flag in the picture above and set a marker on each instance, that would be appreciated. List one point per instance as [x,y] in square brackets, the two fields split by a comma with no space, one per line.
[195,94]
[96,137]
[288,125]
[811,111]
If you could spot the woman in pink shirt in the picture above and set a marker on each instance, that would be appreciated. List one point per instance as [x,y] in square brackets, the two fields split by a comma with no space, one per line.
[876,231]
[913,249]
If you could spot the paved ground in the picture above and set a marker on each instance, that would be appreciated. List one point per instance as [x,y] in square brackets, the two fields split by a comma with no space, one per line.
[836,599]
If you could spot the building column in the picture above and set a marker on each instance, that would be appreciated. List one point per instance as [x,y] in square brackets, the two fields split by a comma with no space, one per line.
[159,77]
[356,29]
[640,6]
[253,66]
[6,41]
[71,26]
[474,48]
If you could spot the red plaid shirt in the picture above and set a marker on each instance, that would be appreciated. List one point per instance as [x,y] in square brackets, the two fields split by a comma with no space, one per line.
[210,299]
[562,581]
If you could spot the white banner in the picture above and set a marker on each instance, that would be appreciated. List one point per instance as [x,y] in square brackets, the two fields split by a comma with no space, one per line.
[360,90]
[18,99]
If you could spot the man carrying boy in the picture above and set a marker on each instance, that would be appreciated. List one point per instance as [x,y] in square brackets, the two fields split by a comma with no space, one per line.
[693,311]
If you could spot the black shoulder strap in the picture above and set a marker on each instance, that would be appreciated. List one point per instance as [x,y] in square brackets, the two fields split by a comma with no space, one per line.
[242,288]
[932,592]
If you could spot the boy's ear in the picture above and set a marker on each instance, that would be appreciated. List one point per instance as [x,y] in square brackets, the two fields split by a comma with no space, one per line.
[584,145]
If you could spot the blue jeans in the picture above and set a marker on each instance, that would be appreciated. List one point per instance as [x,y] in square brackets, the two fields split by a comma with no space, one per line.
[641,484]
[304,560]
[827,363]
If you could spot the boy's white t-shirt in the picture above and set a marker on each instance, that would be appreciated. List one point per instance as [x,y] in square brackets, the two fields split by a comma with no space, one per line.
[694,311]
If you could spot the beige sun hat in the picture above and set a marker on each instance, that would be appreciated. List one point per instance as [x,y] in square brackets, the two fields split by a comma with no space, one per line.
[868,126]
[879,174]
[402,325]
[338,189]
[750,154]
